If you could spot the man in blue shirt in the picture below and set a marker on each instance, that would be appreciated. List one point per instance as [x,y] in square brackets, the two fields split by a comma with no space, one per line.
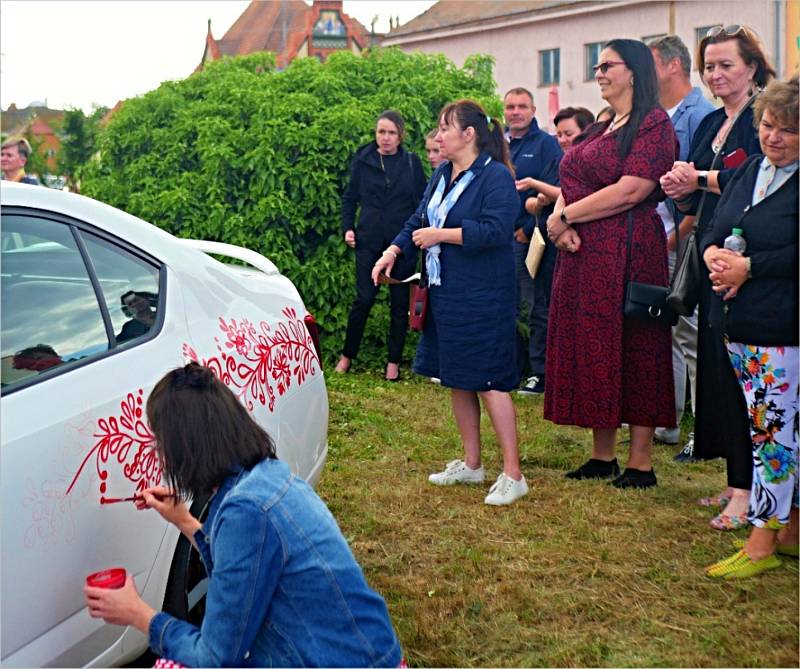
[533,154]
[686,107]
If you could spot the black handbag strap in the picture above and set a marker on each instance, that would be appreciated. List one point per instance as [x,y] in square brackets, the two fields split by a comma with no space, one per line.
[717,154]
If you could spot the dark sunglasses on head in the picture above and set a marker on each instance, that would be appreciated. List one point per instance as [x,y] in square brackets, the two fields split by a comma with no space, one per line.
[730,31]
[603,67]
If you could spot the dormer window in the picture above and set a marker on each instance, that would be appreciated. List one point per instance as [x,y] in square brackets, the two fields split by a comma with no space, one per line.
[329,31]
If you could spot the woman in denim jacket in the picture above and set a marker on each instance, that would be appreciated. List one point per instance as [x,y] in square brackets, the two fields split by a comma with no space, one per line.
[284,589]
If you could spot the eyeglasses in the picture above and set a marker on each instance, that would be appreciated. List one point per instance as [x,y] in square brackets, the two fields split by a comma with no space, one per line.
[603,67]
[730,31]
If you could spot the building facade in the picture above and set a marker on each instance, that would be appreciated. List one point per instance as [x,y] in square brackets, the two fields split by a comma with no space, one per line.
[549,47]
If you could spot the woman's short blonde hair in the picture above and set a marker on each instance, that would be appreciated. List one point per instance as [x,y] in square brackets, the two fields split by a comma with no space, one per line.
[780,97]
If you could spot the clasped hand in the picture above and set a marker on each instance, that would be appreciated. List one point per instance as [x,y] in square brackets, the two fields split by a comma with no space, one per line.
[727,271]
[680,181]
[562,235]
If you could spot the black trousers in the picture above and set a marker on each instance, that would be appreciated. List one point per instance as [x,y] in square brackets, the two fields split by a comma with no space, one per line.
[366,292]
[533,297]
[722,427]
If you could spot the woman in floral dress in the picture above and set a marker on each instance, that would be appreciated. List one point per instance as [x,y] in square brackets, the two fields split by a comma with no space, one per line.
[759,291]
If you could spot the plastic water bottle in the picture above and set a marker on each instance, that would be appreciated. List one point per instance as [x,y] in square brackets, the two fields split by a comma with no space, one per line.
[735,242]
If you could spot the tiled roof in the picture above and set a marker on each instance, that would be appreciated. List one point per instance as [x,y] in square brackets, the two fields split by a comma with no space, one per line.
[39,127]
[264,26]
[14,117]
[280,26]
[451,13]
[110,113]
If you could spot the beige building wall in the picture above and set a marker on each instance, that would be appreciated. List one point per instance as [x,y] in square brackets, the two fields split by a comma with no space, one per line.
[515,44]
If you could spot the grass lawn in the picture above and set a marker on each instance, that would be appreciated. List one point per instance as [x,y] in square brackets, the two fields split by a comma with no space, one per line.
[574,574]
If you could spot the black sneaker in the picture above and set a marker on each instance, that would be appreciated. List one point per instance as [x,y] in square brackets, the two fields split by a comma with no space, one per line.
[533,386]
[595,469]
[635,478]
[687,452]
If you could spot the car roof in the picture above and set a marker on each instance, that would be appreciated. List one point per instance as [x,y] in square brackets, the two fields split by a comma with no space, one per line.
[150,238]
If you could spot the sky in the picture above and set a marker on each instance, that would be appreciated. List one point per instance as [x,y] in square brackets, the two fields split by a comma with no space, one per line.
[78,54]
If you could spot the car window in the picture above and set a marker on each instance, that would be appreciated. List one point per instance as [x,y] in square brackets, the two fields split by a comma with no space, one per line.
[129,286]
[48,308]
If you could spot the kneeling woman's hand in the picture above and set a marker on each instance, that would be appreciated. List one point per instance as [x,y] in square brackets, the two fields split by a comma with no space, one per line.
[119,607]
[173,511]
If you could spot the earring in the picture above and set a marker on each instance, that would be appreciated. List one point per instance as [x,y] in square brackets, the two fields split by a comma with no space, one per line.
[631,82]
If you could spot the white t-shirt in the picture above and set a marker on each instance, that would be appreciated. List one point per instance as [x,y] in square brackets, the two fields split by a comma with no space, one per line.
[662,209]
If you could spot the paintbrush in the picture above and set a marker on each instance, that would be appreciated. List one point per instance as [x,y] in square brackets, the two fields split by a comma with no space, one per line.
[115,500]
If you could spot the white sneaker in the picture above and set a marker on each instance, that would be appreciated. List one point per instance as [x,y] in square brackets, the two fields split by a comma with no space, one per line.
[457,472]
[533,386]
[506,490]
[667,435]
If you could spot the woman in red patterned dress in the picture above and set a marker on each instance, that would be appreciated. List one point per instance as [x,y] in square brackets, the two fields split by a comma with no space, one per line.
[603,369]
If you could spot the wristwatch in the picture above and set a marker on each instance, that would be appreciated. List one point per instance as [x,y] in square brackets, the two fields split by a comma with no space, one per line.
[702,180]
[564,216]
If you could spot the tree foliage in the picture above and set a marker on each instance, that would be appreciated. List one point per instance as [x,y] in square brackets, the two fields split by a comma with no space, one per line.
[249,155]
[78,141]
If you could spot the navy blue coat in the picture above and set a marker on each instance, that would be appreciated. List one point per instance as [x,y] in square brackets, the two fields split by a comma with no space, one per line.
[469,339]
[536,154]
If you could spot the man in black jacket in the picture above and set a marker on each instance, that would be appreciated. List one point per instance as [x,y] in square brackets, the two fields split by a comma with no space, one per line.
[534,154]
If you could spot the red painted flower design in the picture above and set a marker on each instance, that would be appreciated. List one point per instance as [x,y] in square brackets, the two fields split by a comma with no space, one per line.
[125,441]
[256,361]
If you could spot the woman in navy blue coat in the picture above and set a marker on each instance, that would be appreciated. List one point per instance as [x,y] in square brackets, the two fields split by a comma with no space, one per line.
[465,224]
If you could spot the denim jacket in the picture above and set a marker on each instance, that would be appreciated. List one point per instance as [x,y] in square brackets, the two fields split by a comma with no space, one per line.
[284,588]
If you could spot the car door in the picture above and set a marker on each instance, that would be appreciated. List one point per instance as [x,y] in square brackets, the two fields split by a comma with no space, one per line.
[89,323]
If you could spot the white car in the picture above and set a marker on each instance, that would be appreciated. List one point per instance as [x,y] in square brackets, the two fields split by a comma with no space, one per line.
[96,306]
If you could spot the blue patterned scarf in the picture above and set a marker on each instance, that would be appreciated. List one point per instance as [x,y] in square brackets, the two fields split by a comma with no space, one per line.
[437,210]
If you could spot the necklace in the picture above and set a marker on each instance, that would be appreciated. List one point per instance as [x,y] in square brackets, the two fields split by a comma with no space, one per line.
[722,135]
[615,121]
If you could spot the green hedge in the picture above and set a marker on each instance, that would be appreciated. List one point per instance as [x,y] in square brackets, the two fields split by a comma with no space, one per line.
[249,155]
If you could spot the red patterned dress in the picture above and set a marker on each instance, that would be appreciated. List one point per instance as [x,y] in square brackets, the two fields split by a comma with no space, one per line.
[602,369]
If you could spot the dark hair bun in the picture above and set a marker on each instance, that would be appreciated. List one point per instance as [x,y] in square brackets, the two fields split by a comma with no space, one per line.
[195,376]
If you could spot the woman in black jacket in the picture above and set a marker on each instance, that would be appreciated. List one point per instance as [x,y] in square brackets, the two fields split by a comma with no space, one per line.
[759,290]
[387,182]
[733,65]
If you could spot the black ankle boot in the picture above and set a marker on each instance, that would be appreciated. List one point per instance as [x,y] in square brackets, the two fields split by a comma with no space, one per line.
[595,469]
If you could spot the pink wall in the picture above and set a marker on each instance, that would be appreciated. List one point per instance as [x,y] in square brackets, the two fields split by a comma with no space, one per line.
[516,47]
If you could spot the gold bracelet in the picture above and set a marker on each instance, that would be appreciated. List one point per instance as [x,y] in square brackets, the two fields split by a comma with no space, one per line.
[748,266]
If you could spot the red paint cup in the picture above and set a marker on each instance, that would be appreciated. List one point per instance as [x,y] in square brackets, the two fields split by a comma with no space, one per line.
[111,579]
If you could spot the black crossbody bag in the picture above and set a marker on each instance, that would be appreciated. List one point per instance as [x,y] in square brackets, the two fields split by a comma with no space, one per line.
[645,301]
